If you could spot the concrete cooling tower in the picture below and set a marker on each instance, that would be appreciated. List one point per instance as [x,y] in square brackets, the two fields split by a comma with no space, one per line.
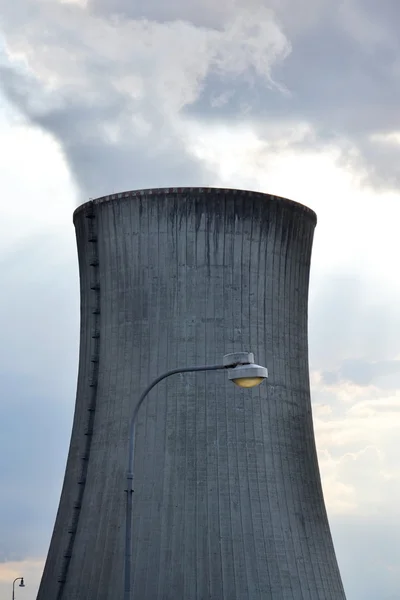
[228,502]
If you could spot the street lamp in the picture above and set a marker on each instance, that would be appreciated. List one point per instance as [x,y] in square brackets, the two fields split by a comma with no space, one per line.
[242,371]
[22,584]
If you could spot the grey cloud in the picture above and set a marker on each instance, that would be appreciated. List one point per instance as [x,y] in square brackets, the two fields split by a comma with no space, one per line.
[361,372]
[33,444]
[111,90]
[341,77]
[199,12]
[214,14]
[39,326]
[343,324]
[99,164]
[369,555]
[116,132]
[39,298]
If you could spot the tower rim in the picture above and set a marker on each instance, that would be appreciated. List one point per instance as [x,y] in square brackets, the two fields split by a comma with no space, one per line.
[180,191]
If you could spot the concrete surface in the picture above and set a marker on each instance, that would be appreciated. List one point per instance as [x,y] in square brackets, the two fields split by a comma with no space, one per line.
[228,501]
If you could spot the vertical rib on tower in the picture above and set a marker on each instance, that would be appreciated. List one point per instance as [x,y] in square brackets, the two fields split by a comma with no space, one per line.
[228,502]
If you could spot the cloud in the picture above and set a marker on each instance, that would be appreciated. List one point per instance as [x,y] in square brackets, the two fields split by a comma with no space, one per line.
[142,66]
[356,431]
[119,87]
[114,101]
[356,428]
[371,567]
[353,325]
[32,424]
[342,81]
[363,372]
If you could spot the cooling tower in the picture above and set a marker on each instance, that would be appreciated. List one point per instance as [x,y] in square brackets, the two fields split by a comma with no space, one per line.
[228,502]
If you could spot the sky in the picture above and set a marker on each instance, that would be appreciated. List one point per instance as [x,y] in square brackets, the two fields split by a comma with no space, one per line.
[294,99]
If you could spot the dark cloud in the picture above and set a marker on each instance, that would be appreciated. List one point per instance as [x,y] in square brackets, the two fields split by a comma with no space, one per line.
[99,164]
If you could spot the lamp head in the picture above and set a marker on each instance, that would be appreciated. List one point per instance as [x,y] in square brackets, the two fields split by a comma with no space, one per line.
[22,584]
[242,370]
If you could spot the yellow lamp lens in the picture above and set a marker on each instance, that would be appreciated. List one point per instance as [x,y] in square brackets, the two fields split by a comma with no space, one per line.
[248,382]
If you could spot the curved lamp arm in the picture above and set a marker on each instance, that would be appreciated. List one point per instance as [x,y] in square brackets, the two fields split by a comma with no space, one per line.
[131,458]
[13,586]
[240,366]
[143,397]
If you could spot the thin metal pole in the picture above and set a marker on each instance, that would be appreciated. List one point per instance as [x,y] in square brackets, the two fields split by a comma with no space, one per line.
[128,582]
[13,588]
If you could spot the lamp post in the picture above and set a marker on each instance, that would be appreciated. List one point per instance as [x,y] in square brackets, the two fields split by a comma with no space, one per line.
[242,371]
[22,584]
